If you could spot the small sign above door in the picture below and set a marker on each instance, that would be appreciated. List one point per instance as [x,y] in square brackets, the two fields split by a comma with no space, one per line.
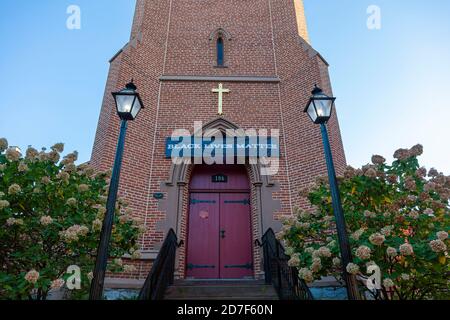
[219,178]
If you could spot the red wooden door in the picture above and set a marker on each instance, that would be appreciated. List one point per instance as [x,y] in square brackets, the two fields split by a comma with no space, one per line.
[219,241]
[235,242]
[219,244]
[203,239]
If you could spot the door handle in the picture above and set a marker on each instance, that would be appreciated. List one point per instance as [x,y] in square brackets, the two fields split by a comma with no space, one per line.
[222,234]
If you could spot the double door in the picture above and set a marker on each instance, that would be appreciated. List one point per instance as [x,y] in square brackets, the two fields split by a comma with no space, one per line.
[219,236]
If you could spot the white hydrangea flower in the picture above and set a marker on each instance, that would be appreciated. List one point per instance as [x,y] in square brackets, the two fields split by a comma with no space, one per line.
[391,252]
[4,204]
[377,239]
[388,283]
[369,214]
[324,252]
[438,246]
[309,250]
[357,234]
[336,262]
[316,265]
[83,187]
[429,212]
[71,202]
[363,252]
[14,189]
[386,231]
[442,235]
[289,251]
[305,215]
[46,220]
[406,249]
[14,222]
[129,268]
[405,276]
[32,276]
[136,255]
[332,244]
[97,225]
[22,167]
[294,261]
[73,233]
[414,215]
[352,268]
[306,275]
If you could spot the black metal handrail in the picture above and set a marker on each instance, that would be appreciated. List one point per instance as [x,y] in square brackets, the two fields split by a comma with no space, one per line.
[278,273]
[161,275]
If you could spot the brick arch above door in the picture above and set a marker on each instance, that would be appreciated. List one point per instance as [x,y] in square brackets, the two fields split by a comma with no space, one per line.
[179,173]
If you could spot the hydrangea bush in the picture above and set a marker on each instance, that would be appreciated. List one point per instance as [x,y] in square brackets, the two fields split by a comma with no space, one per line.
[398,218]
[51,215]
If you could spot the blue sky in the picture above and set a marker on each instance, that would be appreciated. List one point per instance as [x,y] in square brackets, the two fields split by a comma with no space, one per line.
[390,83]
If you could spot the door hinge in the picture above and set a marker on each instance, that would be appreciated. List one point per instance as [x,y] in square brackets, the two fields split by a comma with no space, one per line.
[244,202]
[195,201]
[239,266]
[191,266]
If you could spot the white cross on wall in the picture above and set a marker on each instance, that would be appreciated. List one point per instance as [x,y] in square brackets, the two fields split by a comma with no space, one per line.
[221,91]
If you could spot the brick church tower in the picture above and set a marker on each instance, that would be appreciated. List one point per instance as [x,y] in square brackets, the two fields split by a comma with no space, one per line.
[180,54]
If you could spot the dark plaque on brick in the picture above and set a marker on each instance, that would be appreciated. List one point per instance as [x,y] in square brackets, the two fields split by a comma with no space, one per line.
[158,195]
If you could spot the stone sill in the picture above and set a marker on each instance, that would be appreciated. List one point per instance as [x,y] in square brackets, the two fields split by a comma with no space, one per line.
[145,255]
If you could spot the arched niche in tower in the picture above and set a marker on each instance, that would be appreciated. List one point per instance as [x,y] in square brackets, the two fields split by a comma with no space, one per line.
[219,39]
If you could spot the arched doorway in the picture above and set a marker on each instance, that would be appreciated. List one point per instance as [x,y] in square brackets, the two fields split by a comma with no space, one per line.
[219,243]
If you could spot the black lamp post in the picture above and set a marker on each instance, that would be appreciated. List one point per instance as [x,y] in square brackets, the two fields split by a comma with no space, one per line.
[319,109]
[128,104]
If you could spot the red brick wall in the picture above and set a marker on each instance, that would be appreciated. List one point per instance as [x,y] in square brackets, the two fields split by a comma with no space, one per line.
[175,40]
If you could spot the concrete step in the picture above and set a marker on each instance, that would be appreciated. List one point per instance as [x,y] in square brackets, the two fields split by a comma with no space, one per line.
[221,290]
